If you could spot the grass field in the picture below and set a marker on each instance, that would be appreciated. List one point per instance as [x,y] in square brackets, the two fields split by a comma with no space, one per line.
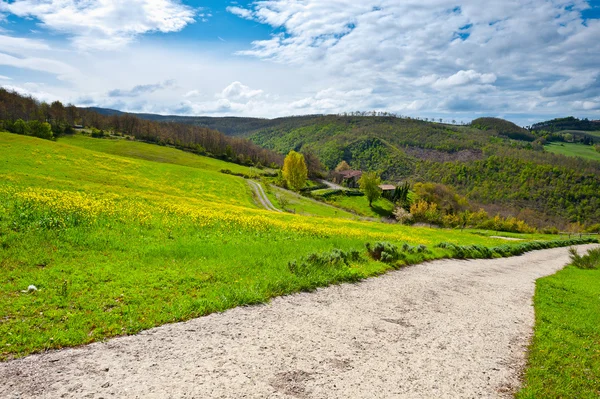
[120,239]
[564,359]
[360,205]
[304,206]
[574,150]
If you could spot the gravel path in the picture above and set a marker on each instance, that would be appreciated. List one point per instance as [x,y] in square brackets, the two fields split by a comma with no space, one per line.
[262,197]
[445,329]
[333,185]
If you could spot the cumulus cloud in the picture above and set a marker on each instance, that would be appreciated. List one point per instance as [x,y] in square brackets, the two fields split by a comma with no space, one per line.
[421,52]
[107,23]
[236,91]
[240,12]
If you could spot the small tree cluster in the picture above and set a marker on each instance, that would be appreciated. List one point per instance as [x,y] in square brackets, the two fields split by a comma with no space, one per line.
[294,170]
[369,184]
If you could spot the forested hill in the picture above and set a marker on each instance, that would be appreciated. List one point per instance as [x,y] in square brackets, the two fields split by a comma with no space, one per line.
[509,176]
[569,123]
[230,125]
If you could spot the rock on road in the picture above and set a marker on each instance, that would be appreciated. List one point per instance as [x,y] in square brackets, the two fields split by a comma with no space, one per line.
[444,329]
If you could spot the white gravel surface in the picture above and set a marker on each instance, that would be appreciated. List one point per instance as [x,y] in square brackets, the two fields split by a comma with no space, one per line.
[445,329]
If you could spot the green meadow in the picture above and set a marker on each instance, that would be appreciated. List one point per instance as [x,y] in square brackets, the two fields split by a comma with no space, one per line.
[120,236]
[574,150]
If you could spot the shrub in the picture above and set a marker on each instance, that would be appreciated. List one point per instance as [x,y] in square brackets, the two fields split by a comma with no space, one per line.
[402,215]
[591,260]
[327,262]
[386,252]
[425,212]
[383,251]
[505,250]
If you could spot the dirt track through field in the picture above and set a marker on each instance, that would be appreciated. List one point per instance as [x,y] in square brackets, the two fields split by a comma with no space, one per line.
[445,329]
[262,197]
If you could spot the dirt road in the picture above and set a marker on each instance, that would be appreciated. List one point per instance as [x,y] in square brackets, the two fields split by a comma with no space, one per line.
[445,329]
[262,197]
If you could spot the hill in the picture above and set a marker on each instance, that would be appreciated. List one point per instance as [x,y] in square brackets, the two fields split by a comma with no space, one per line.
[503,128]
[568,123]
[119,236]
[525,181]
[230,125]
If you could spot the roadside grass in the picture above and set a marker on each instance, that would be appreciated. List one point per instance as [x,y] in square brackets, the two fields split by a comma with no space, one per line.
[115,245]
[564,357]
[574,150]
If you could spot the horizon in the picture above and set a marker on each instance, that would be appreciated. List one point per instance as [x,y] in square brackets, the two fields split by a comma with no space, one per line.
[525,63]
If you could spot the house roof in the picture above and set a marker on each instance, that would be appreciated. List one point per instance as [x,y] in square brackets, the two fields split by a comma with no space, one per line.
[387,187]
[347,174]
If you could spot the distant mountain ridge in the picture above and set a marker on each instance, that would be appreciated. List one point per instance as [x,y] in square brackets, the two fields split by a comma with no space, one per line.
[230,125]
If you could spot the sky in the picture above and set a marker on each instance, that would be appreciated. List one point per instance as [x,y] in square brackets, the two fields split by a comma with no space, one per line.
[523,60]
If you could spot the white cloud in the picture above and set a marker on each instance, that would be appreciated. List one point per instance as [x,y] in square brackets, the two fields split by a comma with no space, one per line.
[61,69]
[240,12]
[462,78]
[238,92]
[10,43]
[573,85]
[450,56]
[139,90]
[105,23]
[2,77]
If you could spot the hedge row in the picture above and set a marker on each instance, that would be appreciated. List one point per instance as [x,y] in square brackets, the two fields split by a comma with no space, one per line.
[502,251]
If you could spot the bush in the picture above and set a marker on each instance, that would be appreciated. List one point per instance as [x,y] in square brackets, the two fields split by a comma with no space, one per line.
[336,261]
[353,193]
[595,228]
[502,251]
[591,260]
[402,215]
[39,129]
[229,172]
[388,253]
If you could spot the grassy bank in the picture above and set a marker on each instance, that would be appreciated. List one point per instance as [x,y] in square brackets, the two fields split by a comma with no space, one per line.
[120,241]
[564,358]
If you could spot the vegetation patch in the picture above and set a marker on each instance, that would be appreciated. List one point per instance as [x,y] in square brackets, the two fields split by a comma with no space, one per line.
[315,266]
[389,253]
[482,252]
[564,357]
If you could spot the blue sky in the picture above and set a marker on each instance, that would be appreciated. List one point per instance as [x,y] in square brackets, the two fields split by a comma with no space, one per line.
[524,60]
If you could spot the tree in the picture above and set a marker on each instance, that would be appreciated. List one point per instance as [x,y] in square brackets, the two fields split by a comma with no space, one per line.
[342,166]
[295,171]
[369,184]
[313,163]
[39,129]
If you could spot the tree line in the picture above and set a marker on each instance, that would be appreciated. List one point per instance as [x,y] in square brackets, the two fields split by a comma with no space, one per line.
[25,115]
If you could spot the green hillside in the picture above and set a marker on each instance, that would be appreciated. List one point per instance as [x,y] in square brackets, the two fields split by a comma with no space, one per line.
[525,181]
[503,128]
[574,150]
[119,243]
